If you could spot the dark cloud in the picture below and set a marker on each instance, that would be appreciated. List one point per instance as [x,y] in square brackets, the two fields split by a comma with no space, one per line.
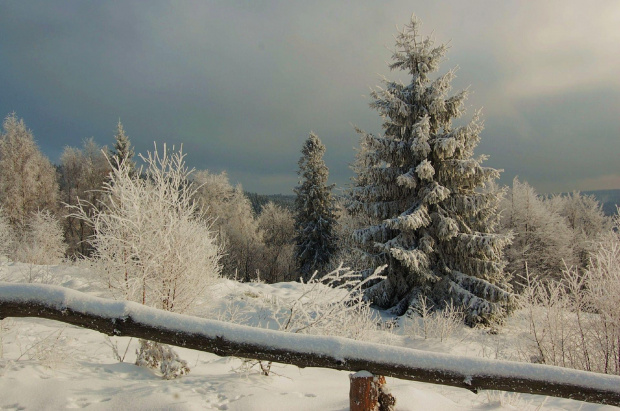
[241,84]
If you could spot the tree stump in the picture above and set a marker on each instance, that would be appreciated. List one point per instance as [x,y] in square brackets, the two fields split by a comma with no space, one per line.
[368,393]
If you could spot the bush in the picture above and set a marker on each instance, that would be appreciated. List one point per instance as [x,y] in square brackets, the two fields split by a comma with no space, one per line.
[332,304]
[428,322]
[233,219]
[278,228]
[42,242]
[575,322]
[151,243]
[6,235]
[161,357]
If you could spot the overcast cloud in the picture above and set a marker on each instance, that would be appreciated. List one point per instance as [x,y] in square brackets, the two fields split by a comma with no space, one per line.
[241,84]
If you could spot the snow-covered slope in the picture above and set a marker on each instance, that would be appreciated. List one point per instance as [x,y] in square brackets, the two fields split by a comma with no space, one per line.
[48,365]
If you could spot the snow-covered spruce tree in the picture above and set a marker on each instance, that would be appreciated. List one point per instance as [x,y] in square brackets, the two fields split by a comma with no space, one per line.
[122,151]
[315,242]
[435,216]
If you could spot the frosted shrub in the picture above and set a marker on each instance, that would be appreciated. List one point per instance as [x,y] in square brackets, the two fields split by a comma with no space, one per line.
[510,400]
[151,244]
[43,241]
[429,322]
[233,219]
[32,273]
[332,304]
[329,305]
[52,351]
[161,357]
[542,238]
[576,323]
[83,172]
[6,235]
[234,313]
[6,325]
[278,228]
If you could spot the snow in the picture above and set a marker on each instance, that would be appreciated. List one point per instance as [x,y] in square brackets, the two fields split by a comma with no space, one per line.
[362,374]
[80,370]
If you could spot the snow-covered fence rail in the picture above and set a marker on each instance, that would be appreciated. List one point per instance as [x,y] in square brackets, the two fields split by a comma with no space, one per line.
[122,318]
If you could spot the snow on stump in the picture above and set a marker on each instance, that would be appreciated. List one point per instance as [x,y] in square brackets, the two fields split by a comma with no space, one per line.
[369,393]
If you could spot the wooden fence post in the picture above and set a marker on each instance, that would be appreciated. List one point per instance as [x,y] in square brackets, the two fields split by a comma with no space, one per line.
[368,393]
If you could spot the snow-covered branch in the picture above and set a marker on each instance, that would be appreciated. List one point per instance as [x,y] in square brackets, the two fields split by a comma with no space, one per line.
[124,318]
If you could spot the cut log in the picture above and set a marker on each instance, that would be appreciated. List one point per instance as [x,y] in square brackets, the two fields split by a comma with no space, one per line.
[123,318]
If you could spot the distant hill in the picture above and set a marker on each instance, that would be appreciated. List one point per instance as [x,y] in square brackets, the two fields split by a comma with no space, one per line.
[608,198]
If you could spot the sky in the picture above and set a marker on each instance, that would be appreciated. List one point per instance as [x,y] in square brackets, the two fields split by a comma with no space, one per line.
[240,84]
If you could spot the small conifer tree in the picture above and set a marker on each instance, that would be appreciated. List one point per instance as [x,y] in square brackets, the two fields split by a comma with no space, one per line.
[122,151]
[314,210]
[432,216]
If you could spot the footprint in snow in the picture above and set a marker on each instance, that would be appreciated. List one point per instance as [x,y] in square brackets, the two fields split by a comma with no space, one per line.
[15,406]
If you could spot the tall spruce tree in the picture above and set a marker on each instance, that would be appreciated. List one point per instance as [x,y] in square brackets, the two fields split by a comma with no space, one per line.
[434,217]
[314,210]
[122,151]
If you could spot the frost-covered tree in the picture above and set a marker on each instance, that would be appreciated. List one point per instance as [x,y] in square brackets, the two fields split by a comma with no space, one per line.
[585,217]
[6,236]
[151,243]
[233,220]
[542,241]
[434,218]
[42,242]
[277,226]
[315,243]
[83,173]
[575,322]
[122,151]
[28,180]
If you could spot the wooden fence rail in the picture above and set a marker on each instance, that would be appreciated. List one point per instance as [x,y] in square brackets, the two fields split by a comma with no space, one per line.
[122,318]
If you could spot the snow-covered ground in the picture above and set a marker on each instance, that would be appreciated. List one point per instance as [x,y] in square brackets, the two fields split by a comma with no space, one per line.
[51,365]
